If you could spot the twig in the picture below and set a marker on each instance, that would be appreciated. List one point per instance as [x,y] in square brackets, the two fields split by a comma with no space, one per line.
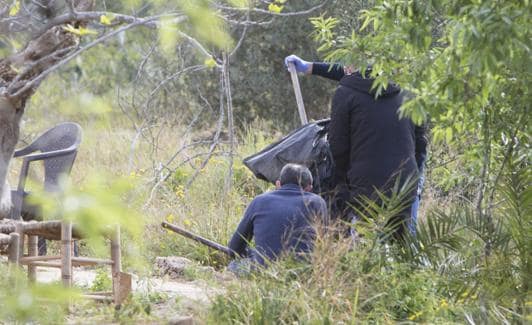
[216,137]
[242,36]
[67,59]
[230,122]
[282,14]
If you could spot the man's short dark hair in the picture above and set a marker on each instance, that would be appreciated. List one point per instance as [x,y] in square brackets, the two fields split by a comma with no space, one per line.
[295,174]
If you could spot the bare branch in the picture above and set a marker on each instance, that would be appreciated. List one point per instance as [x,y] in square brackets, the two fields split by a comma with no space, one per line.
[151,22]
[230,121]
[270,13]
[216,138]
[196,44]
[13,93]
[70,6]
[172,77]
[242,36]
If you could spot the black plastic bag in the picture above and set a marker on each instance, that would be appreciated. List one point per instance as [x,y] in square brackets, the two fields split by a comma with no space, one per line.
[307,145]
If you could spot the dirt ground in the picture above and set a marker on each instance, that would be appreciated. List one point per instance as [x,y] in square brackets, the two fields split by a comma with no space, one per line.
[175,300]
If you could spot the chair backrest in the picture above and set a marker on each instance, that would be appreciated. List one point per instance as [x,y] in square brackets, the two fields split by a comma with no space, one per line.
[62,136]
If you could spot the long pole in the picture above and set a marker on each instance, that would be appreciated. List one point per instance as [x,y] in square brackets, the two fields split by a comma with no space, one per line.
[297,91]
[204,241]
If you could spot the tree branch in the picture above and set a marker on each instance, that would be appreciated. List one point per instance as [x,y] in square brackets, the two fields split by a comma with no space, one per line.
[14,93]
[270,13]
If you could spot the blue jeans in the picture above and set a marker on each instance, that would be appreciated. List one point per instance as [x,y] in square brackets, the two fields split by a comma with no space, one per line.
[415,206]
[243,266]
[412,223]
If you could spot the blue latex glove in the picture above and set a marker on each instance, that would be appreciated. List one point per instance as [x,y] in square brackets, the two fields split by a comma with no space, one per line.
[301,65]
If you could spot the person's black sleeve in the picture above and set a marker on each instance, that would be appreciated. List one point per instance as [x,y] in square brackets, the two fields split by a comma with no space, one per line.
[340,133]
[334,72]
[244,232]
[420,133]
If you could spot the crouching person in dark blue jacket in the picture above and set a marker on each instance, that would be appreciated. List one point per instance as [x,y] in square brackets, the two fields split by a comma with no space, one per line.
[281,221]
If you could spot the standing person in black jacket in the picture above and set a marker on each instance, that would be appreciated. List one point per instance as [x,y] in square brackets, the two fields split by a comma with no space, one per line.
[372,147]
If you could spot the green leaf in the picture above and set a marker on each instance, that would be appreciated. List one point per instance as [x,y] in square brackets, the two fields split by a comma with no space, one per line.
[240,3]
[448,134]
[207,25]
[168,36]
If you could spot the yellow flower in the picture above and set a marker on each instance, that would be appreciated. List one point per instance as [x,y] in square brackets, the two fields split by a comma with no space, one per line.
[180,192]
[81,31]
[187,222]
[415,316]
[210,63]
[170,218]
[106,20]
[274,7]
[14,9]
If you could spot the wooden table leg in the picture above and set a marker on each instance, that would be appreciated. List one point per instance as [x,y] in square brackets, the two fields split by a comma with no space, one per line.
[33,250]
[13,248]
[66,253]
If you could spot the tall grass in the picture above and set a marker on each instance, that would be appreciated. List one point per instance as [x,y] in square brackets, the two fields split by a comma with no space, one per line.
[441,276]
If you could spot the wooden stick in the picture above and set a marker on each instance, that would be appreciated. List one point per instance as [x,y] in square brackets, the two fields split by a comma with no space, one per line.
[204,241]
[32,252]
[4,239]
[116,257]
[28,259]
[121,287]
[86,261]
[48,229]
[297,91]
[13,253]
[116,267]
[76,261]
[19,229]
[66,253]
[57,265]
[100,293]
[98,297]
[7,228]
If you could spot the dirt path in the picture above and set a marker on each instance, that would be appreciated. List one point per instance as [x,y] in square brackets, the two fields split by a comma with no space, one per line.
[192,290]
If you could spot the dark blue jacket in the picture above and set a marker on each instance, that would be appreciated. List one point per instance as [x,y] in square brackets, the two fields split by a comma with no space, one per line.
[280,221]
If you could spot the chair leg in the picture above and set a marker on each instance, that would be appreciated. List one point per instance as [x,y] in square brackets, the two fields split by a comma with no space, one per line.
[66,253]
[32,251]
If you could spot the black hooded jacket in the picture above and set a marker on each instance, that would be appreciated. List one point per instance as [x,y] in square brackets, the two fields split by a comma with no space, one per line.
[370,144]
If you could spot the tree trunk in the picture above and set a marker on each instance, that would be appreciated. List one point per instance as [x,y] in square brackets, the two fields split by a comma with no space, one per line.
[20,75]
[9,133]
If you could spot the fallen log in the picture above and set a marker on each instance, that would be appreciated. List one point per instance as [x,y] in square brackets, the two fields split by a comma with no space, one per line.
[219,247]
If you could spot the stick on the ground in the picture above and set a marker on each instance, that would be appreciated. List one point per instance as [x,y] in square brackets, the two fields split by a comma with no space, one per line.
[224,249]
